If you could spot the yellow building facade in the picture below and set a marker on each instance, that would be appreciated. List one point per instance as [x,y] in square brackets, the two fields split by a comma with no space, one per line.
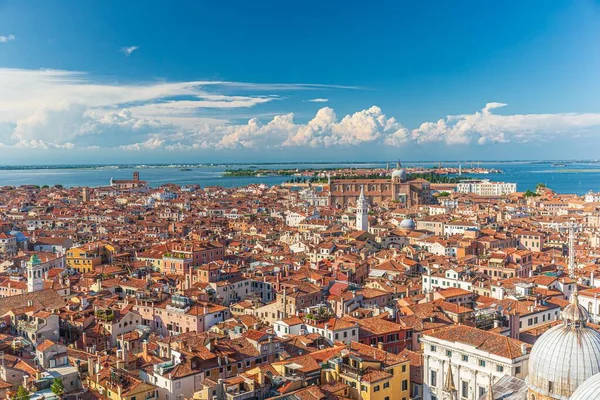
[117,384]
[87,257]
[371,373]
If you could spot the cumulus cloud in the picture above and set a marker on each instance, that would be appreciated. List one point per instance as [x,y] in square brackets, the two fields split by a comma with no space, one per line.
[55,109]
[319,100]
[129,50]
[40,144]
[66,106]
[486,127]
[363,126]
[7,38]
[152,143]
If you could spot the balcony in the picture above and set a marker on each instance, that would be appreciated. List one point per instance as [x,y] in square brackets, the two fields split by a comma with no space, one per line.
[239,394]
[177,309]
[352,372]
[163,368]
[27,326]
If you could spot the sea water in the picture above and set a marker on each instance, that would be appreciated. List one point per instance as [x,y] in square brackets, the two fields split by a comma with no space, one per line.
[573,177]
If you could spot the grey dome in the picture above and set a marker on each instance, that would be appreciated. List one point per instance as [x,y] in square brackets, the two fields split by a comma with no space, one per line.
[399,173]
[588,390]
[407,223]
[565,356]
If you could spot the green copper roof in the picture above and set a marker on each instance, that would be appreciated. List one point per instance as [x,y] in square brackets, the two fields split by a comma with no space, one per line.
[35,260]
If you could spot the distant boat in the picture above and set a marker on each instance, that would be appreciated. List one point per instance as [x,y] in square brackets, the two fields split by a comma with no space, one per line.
[185,169]
[559,165]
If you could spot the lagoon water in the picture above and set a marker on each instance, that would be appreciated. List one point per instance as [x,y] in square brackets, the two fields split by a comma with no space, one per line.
[579,177]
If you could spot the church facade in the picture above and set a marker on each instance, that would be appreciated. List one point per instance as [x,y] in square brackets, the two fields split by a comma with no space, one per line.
[124,184]
[344,192]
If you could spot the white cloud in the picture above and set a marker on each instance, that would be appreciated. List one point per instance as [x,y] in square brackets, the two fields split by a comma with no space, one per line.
[53,109]
[361,127]
[319,100]
[40,144]
[485,127]
[152,143]
[6,39]
[129,50]
[57,105]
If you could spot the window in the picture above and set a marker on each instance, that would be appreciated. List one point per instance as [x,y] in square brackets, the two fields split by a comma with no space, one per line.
[403,368]
[363,388]
[482,363]
[405,384]
[433,379]
[517,370]
[448,353]
[465,358]
[432,348]
[386,385]
[464,389]
[499,368]
[376,388]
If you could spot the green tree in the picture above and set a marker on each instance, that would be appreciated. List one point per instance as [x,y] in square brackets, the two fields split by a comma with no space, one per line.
[530,193]
[45,187]
[22,394]
[58,186]
[443,194]
[57,387]
[540,186]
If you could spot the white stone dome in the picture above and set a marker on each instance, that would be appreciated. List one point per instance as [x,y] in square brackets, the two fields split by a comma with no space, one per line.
[588,390]
[407,223]
[565,356]
[400,174]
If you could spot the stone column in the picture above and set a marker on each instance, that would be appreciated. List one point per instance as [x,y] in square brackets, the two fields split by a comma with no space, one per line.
[459,386]
[441,380]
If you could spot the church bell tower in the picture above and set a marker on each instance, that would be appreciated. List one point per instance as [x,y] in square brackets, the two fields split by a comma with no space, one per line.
[35,269]
[362,212]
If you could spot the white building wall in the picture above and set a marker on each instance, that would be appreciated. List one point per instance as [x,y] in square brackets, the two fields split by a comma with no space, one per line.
[471,368]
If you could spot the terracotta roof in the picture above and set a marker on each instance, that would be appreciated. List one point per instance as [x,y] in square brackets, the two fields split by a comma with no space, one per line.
[482,340]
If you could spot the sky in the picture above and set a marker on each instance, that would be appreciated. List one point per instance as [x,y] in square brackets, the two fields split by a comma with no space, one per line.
[239,81]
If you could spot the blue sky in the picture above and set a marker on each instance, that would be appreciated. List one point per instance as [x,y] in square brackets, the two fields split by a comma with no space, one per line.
[114,81]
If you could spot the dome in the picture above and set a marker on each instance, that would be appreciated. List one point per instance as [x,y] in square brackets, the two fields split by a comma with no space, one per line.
[565,356]
[407,223]
[588,390]
[400,174]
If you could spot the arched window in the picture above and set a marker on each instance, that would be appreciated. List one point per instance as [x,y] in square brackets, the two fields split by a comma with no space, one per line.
[590,308]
